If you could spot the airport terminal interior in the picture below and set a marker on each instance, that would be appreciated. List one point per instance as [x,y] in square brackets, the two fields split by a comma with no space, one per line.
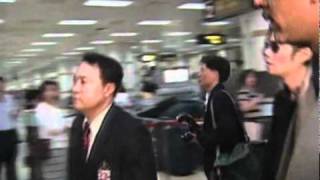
[159,44]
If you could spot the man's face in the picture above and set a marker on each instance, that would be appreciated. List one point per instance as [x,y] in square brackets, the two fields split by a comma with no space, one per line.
[88,89]
[207,77]
[293,21]
[285,61]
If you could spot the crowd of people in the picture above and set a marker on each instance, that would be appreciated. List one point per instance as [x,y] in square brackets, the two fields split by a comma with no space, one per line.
[105,142]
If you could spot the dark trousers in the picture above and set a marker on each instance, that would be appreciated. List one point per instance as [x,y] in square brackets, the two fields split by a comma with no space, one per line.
[8,153]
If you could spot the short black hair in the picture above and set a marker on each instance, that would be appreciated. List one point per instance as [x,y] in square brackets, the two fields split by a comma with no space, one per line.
[219,64]
[246,73]
[2,79]
[111,71]
[44,86]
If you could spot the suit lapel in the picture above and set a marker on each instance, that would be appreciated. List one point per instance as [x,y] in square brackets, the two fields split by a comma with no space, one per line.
[101,144]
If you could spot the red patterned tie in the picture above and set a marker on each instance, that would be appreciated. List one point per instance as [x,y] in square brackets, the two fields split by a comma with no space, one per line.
[86,137]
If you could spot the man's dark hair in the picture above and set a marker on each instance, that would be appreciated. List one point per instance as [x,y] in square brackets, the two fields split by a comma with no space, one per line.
[219,64]
[43,88]
[110,69]
[2,79]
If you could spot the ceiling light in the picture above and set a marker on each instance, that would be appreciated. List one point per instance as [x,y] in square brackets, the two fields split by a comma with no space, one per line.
[191,41]
[18,59]
[43,43]
[217,23]
[84,48]
[26,55]
[77,22]
[14,62]
[71,53]
[192,6]
[124,34]
[53,35]
[153,41]
[178,33]
[1,21]
[32,50]
[107,3]
[154,23]
[7,1]
[60,57]
[102,42]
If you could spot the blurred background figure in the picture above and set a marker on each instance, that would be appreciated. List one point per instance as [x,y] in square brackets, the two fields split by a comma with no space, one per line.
[30,122]
[8,135]
[249,100]
[53,133]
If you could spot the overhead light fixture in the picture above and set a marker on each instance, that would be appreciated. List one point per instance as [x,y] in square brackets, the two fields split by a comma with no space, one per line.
[14,62]
[77,22]
[43,43]
[153,41]
[60,57]
[191,41]
[217,23]
[98,42]
[26,55]
[57,35]
[154,23]
[71,53]
[107,3]
[18,59]
[1,21]
[32,50]
[7,1]
[84,48]
[124,34]
[192,6]
[178,33]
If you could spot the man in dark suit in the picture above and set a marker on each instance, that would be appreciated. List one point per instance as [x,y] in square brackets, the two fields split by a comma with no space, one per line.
[106,138]
[222,127]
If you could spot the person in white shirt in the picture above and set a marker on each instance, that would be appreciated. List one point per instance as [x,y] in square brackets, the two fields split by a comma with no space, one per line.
[52,126]
[8,134]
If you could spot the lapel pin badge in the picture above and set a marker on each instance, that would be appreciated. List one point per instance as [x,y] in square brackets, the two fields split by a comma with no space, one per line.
[104,172]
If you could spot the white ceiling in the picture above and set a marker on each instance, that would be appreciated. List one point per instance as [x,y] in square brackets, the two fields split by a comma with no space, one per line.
[27,20]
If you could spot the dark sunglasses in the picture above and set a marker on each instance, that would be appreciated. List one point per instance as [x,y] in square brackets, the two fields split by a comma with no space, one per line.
[273,45]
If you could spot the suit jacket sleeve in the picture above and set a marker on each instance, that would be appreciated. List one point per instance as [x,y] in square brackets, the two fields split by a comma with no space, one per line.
[226,117]
[140,160]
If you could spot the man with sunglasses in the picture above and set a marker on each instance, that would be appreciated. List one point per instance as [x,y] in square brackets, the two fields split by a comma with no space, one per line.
[292,152]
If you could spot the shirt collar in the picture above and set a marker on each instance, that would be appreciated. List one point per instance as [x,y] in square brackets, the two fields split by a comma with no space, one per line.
[97,121]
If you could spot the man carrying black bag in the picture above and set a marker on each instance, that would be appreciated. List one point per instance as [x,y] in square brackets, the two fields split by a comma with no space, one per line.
[223,138]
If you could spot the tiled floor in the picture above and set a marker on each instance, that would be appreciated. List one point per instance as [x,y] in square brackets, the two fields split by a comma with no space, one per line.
[23,170]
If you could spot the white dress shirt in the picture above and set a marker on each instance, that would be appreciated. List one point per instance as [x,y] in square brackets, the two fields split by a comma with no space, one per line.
[51,118]
[95,125]
[7,108]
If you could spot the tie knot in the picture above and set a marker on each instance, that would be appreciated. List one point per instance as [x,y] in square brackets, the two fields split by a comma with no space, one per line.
[86,126]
